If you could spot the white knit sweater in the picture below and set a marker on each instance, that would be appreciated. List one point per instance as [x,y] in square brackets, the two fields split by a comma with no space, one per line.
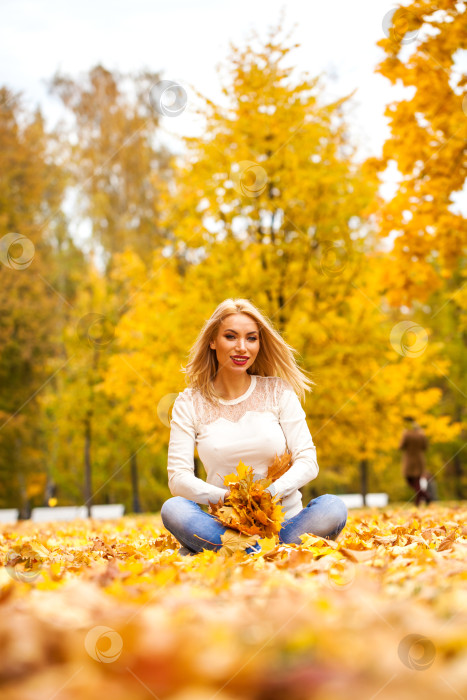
[266,420]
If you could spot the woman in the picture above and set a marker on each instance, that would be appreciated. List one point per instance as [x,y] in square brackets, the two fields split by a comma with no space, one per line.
[237,408]
[413,445]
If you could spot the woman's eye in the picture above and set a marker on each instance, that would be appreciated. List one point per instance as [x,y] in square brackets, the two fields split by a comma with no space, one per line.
[251,337]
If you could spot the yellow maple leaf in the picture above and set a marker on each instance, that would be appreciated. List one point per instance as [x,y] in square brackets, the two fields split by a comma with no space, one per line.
[234,541]
[267,544]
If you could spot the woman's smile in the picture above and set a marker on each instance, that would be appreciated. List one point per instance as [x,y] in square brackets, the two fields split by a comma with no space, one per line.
[238,361]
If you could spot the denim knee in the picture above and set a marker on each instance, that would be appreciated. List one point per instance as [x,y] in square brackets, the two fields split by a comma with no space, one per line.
[331,505]
[338,509]
[169,510]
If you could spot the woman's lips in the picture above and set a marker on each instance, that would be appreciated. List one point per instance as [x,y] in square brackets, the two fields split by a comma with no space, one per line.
[239,362]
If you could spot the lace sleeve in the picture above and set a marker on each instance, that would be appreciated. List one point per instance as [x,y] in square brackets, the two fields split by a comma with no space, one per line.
[280,385]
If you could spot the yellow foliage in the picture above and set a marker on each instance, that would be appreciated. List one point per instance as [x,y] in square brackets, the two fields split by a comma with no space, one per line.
[424,143]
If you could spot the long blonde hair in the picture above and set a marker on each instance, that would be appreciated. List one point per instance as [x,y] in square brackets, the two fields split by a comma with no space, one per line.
[275,357]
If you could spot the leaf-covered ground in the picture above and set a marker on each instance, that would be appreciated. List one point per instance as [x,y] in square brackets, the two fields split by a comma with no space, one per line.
[111,611]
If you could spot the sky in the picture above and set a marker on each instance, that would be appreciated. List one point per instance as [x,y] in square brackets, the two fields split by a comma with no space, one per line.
[185,41]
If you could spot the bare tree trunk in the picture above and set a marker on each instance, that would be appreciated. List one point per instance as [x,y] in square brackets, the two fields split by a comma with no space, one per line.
[87,464]
[134,483]
[364,479]
[458,477]
[458,471]
[25,508]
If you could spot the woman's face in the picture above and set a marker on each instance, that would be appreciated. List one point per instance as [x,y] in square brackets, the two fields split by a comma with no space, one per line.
[238,336]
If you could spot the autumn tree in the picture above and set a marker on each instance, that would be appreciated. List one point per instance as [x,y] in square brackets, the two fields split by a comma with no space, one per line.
[114,169]
[427,270]
[31,191]
[115,163]
[95,454]
[428,137]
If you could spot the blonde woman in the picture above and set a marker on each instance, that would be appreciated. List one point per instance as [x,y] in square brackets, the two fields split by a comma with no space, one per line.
[237,407]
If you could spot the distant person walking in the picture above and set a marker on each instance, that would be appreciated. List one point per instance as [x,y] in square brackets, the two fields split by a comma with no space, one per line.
[413,445]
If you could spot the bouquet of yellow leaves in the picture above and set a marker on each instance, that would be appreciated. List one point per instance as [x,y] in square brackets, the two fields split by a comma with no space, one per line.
[248,507]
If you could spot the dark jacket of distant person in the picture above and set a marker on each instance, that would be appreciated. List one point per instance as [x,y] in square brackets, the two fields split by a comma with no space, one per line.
[413,443]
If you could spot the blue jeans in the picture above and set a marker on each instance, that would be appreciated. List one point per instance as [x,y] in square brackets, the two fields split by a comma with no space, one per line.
[197,530]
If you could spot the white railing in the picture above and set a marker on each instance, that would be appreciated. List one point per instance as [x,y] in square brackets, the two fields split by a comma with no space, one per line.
[100,512]
[355,500]
[9,515]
